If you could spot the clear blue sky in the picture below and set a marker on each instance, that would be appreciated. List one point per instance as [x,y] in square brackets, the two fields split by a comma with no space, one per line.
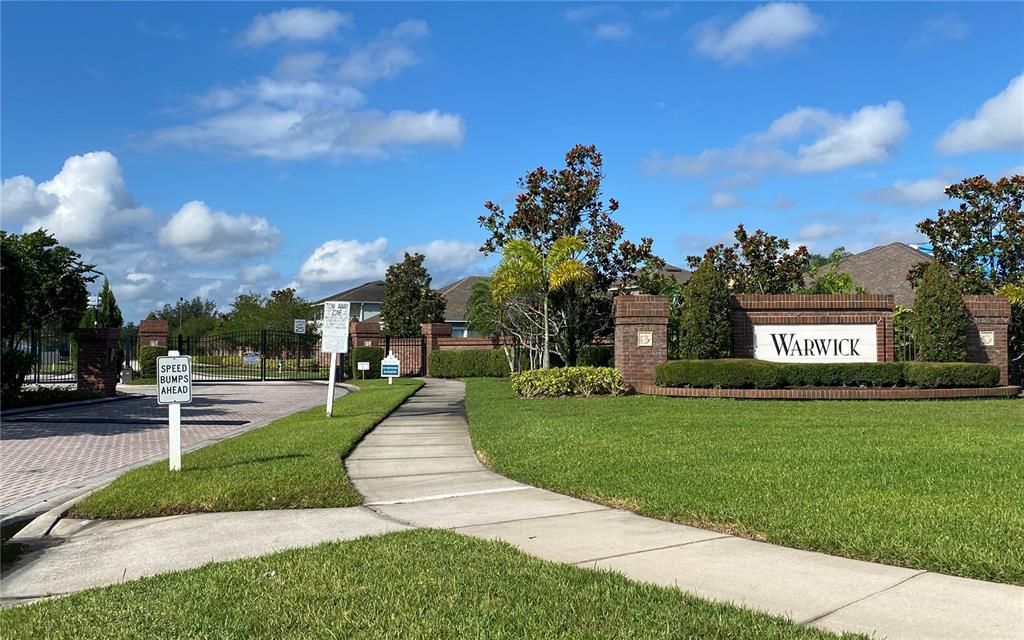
[193,148]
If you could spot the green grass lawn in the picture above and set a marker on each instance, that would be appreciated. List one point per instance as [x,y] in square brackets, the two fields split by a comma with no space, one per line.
[931,485]
[293,463]
[416,584]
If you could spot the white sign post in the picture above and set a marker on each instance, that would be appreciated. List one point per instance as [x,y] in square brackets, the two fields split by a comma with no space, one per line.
[390,367]
[363,367]
[334,340]
[174,388]
[299,325]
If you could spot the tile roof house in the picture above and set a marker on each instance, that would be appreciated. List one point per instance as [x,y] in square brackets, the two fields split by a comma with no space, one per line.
[456,297]
[884,270]
[365,299]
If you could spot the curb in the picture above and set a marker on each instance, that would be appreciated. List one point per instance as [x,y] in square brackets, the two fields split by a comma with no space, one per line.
[65,405]
[39,528]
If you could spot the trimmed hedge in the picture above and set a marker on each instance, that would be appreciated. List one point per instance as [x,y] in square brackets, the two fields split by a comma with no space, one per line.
[568,381]
[373,355]
[595,356]
[470,363]
[147,360]
[761,374]
[934,375]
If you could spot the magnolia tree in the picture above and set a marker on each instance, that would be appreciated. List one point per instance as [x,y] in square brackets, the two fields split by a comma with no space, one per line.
[757,263]
[562,202]
[981,244]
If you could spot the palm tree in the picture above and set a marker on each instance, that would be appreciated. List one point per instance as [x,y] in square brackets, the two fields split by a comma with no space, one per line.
[524,270]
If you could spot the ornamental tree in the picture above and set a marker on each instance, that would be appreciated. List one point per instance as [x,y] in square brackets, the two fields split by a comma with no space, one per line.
[568,201]
[524,271]
[408,299]
[44,284]
[705,327]
[981,242]
[940,319]
[757,263]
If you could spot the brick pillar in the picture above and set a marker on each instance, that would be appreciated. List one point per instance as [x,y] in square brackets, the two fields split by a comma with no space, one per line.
[98,362]
[153,333]
[988,335]
[641,336]
[365,334]
[432,333]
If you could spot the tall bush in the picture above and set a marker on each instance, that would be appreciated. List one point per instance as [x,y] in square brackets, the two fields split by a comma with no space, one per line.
[705,329]
[373,355]
[940,318]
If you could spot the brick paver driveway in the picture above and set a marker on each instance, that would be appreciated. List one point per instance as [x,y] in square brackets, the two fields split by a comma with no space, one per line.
[44,453]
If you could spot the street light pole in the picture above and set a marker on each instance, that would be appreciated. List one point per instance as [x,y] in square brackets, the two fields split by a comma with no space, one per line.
[180,300]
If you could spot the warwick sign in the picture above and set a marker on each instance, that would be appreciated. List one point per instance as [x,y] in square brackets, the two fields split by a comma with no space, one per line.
[815,342]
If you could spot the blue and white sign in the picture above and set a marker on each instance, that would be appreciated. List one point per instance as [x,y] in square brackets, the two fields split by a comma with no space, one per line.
[390,367]
[250,359]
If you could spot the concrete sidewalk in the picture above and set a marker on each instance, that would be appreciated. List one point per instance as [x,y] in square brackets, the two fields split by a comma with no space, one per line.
[418,467]
[88,553]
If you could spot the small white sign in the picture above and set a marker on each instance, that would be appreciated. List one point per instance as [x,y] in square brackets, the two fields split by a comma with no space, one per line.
[299,325]
[362,366]
[988,338]
[334,328]
[174,379]
[644,338]
[815,342]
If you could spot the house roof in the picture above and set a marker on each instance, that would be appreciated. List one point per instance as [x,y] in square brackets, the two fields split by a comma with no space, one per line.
[884,269]
[372,291]
[679,274]
[456,296]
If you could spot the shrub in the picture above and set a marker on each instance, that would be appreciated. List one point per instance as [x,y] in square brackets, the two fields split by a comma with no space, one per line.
[705,328]
[147,360]
[940,318]
[470,363]
[595,356]
[568,381]
[952,374]
[759,374]
[15,365]
[373,355]
[1015,294]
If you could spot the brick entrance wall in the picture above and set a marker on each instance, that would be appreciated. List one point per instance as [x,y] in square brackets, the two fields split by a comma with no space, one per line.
[749,310]
[153,333]
[641,336]
[98,361]
[989,314]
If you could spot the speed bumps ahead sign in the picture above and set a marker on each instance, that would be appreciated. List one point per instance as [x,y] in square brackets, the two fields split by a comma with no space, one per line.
[174,379]
[174,388]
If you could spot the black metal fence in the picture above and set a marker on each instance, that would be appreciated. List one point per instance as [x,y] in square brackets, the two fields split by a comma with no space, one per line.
[411,352]
[904,349]
[255,356]
[54,355]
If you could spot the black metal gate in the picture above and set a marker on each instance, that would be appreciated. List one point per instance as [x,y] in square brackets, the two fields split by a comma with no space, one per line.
[411,352]
[54,355]
[257,356]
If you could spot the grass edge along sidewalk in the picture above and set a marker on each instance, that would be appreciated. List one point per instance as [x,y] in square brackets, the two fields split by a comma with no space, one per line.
[295,462]
[932,485]
[413,584]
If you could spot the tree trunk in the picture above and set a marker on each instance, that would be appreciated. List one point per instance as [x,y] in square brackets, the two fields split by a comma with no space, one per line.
[546,356]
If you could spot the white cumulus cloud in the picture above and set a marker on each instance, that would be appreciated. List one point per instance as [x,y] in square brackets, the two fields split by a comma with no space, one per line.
[87,203]
[309,108]
[913,192]
[344,260]
[805,140]
[997,124]
[612,31]
[301,23]
[259,273]
[199,234]
[448,256]
[768,28]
